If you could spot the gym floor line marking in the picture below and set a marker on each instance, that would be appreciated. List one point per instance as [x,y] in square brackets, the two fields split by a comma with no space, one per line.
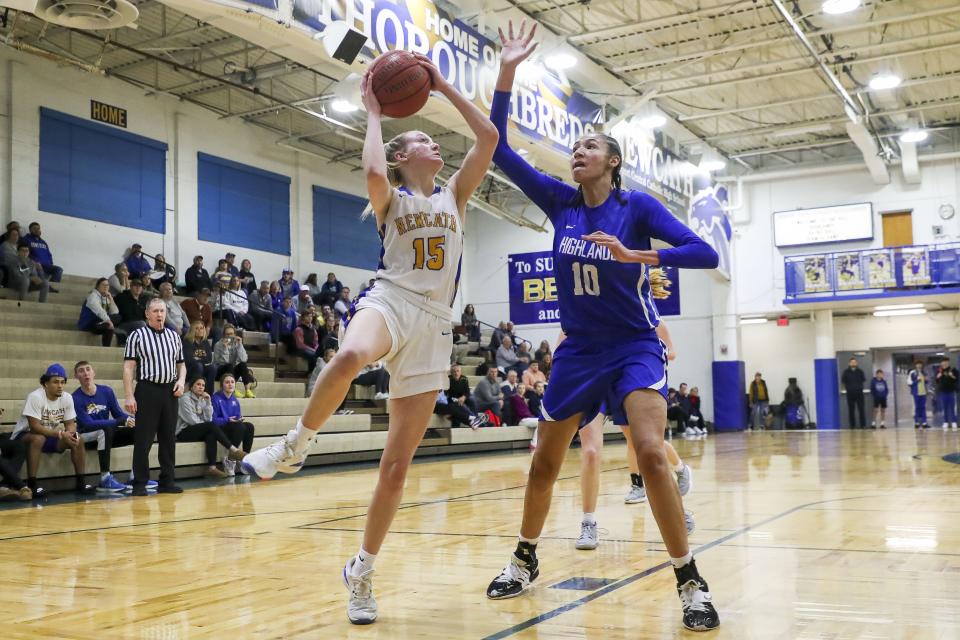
[526,624]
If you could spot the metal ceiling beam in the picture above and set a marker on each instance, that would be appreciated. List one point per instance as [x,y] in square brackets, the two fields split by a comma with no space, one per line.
[834,142]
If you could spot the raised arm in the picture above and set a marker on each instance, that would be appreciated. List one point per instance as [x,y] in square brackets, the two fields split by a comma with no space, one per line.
[474,166]
[374,157]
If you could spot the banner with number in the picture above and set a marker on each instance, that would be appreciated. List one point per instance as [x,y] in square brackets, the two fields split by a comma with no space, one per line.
[533,289]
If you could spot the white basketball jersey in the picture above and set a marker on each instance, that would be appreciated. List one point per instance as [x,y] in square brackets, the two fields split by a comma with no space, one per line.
[423,247]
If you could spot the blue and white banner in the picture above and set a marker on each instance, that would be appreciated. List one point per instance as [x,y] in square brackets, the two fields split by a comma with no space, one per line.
[533,289]
[710,220]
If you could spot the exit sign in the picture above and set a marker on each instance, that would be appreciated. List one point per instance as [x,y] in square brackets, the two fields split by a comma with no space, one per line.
[107,113]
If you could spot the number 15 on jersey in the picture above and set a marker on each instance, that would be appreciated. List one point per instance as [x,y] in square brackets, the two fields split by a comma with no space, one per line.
[428,252]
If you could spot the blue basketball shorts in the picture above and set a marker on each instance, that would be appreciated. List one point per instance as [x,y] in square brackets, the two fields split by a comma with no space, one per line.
[589,374]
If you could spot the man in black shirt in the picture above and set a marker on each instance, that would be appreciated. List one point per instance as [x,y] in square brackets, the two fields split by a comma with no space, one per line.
[197,277]
[131,305]
[853,380]
[947,379]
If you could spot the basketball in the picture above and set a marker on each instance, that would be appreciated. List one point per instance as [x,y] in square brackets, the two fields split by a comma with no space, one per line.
[400,83]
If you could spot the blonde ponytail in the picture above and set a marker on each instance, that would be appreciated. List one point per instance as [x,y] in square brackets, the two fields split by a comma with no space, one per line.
[659,283]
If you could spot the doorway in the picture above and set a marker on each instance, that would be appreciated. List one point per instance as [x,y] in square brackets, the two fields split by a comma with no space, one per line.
[900,414]
[897,228]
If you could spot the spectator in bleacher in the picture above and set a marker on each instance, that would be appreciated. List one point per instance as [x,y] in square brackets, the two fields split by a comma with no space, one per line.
[288,321]
[458,389]
[261,306]
[27,275]
[288,285]
[40,253]
[120,280]
[330,291]
[195,424]
[312,380]
[48,424]
[8,255]
[546,365]
[509,331]
[197,277]
[227,416]
[137,265]
[276,295]
[533,375]
[312,287]
[523,356]
[304,301]
[342,305]
[149,291]
[176,316]
[231,258]
[162,272]
[248,281]
[331,333]
[235,301]
[306,340]
[520,413]
[222,276]
[534,398]
[487,395]
[497,338]
[542,350]
[507,359]
[695,412]
[99,313]
[198,308]
[376,376]
[468,319]
[509,386]
[230,358]
[459,413]
[100,420]
[675,411]
[12,453]
[131,305]
[13,224]
[198,354]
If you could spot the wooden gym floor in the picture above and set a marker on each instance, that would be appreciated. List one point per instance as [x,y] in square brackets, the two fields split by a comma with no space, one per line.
[800,535]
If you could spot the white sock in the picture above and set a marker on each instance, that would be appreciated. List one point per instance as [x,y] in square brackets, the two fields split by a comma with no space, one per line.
[533,541]
[104,474]
[363,564]
[679,563]
[589,518]
[679,467]
[304,437]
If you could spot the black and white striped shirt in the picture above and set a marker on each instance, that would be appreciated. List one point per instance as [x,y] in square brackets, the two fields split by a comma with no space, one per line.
[157,354]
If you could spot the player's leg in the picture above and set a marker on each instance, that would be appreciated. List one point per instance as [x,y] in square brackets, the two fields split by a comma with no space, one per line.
[591,444]
[367,339]
[409,417]
[637,493]
[646,413]
[523,567]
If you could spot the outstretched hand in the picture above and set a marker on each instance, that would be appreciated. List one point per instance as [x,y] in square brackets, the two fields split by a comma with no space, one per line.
[436,78]
[368,97]
[516,49]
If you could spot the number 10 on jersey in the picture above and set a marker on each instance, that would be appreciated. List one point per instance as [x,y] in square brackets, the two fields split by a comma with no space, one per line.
[428,252]
[586,279]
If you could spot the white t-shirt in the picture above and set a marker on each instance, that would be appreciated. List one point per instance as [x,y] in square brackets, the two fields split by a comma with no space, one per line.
[53,414]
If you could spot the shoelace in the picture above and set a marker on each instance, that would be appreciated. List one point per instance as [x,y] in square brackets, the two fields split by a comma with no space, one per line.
[586,528]
[362,586]
[281,450]
[513,572]
[693,598]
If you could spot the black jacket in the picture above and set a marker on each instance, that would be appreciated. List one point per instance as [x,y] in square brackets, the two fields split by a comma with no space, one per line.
[131,310]
[197,279]
[853,380]
[947,380]
[458,388]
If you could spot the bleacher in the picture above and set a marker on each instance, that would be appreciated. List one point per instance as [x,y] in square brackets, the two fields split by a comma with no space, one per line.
[33,335]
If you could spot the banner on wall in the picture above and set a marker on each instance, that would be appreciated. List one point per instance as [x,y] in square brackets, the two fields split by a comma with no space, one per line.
[849,274]
[916,266]
[815,274]
[533,289]
[880,268]
[710,220]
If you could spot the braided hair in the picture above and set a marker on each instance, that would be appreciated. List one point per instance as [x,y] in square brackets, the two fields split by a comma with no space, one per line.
[659,283]
[613,150]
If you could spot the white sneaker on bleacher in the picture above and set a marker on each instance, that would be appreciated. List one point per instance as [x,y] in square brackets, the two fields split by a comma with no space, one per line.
[279,456]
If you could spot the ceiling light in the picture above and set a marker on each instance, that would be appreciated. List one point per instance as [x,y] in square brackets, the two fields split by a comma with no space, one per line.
[560,61]
[884,81]
[893,307]
[652,121]
[914,135]
[753,321]
[836,7]
[900,312]
[343,106]
[713,165]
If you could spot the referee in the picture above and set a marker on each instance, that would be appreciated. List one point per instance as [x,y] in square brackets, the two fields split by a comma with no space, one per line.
[154,357]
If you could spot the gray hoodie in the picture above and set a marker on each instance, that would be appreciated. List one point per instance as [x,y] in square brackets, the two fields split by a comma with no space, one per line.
[229,352]
[193,410]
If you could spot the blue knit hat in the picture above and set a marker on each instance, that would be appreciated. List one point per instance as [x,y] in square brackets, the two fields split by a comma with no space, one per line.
[56,369]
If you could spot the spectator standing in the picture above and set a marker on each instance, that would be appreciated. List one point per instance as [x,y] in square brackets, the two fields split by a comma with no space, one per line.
[120,280]
[198,308]
[176,316]
[99,313]
[288,286]
[198,355]
[468,319]
[306,340]
[137,264]
[195,424]
[40,253]
[918,389]
[230,358]
[261,306]
[342,305]
[48,424]
[330,291]
[853,380]
[100,420]
[197,278]
[312,287]
[132,304]
[248,281]
[227,416]
[878,393]
[759,399]
[487,395]
[153,358]
[946,380]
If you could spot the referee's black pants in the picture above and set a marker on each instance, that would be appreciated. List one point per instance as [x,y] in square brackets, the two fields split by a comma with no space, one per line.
[156,418]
